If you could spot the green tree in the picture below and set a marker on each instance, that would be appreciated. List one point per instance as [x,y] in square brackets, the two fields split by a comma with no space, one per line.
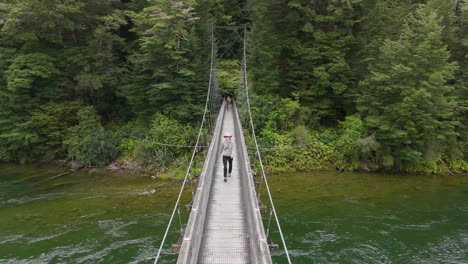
[23,79]
[28,22]
[53,121]
[171,132]
[165,143]
[82,37]
[265,63]
[304,46]
[460,54]
[405,99]
[351,146]
[20,95]
[166,75]
[88,141]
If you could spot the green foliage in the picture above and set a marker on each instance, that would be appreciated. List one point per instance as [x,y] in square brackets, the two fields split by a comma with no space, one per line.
[132,134]
[163,146]
[171,132]
[88,142]
[174,174]
[296,150]
[287,115]
[328,136]
[19,96]
[19,141]
[22,78]
[228,73]
[460,54]
[459,165]
[54,120]
[351,147]
[314,65]
[166,75]
[405,99]
[30,21]
[440,166]
[305,47]
[277,113]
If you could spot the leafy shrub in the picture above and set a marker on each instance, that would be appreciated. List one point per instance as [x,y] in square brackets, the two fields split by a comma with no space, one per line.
[170,133]
[20,142]
[347,148]
[296,150]
[458,165]
[166,141]
[54,120]
[88,142]
[131,135]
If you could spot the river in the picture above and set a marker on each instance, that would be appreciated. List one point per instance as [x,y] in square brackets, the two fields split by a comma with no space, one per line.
[327,217]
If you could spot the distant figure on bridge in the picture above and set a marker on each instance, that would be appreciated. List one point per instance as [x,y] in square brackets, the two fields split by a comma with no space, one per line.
[226,148]
[228,102]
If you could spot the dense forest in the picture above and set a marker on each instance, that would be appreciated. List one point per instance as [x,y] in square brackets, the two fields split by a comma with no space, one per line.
[347,84]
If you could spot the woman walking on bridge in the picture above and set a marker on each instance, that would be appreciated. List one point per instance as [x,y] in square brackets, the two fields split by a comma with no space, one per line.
[226,148]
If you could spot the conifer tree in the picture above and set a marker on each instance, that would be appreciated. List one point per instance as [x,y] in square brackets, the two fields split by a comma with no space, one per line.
[166,75]
[52,51]
[301,47]
[405,99]
[20,95]
[460,54]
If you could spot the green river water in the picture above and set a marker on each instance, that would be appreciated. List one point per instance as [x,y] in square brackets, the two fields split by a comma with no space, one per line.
[326,217]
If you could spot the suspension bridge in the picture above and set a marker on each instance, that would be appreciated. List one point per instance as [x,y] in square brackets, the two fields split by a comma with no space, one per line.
[225,224]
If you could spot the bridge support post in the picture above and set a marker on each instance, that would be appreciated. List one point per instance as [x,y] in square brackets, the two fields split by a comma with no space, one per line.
[175,248]
[188,207]
[273,247]
[262,207]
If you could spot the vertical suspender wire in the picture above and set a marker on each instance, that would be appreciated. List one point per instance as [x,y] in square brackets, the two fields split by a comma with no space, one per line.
[258,151]
[210,105]
[269,222]
[180,221]
[215,105]
[193,154]
[209,118]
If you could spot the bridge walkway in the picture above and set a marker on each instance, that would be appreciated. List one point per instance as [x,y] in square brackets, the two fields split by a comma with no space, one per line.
[226,238]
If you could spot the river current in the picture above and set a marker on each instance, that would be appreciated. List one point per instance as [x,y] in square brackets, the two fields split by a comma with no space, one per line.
[50,216]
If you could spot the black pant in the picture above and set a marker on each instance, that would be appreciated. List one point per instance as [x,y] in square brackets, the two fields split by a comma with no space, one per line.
[225,160]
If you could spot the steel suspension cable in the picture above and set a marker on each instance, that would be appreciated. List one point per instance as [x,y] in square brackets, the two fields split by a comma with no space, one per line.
[256,145]
[193,153]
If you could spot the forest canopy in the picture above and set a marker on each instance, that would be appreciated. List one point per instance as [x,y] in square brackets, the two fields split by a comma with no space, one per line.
[373,84]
